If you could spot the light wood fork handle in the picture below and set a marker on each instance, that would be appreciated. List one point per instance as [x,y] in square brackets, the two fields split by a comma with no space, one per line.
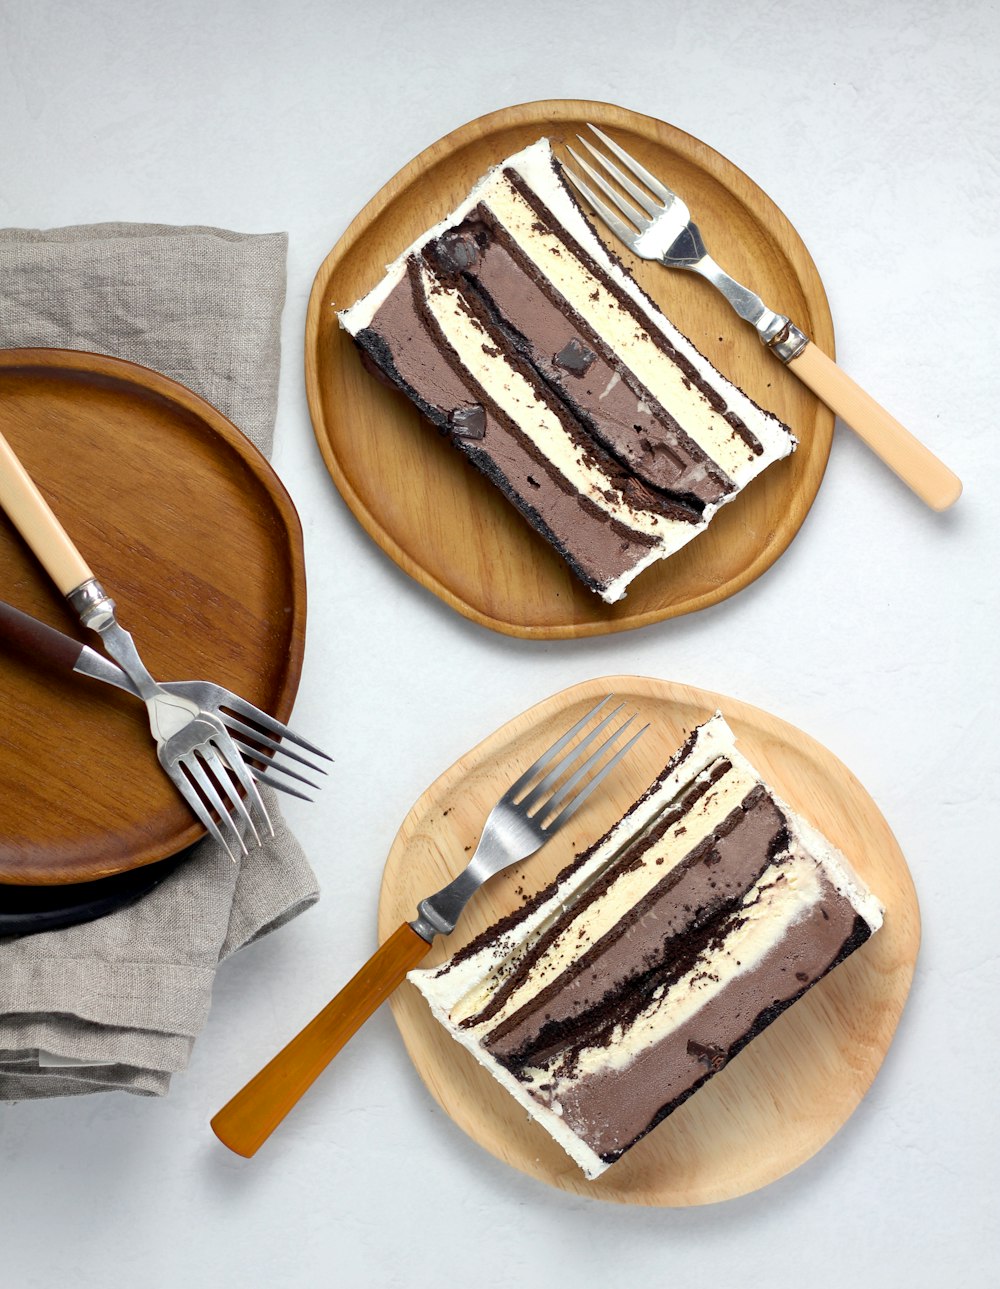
[246,1122]
[34,520]
[915,464]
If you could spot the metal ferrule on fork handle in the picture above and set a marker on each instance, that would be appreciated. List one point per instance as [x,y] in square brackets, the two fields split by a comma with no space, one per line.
[168,713]
[96,610]
[439,914]
[786,341]
[778,333]
[92,604]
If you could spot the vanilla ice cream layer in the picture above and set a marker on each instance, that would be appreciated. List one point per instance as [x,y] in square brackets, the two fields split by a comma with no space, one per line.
[768,911]
[590,298]
[632,885]
[517,399]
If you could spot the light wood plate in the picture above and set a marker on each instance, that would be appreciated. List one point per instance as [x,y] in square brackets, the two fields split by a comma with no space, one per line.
[436,516]
[192,534]
[795,1085]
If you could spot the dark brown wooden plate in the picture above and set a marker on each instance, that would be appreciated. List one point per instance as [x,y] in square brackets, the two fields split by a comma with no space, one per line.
[30,910]
[446,525]
[193,535]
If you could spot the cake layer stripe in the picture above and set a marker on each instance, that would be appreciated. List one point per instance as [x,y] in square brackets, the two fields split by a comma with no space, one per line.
[773,904]
[575,361]
[613,1108]
[626,884]
[707,745]
[672,925]
[589,294]
[534,166]
[580,535]
[511,970]
[508,389]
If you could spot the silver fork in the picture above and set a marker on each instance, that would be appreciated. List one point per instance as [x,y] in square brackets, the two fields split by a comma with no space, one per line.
[664,231]
[531,811]
[193,746]
[259,737]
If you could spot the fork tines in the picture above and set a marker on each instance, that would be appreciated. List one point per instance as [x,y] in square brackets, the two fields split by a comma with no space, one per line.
[208,771]
[558,805]
[264,743]
[638,222]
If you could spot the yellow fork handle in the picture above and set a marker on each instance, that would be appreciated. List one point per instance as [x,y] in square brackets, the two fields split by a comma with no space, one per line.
[246,1122]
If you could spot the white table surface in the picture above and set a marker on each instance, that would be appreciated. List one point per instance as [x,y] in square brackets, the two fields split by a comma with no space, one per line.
[874,126]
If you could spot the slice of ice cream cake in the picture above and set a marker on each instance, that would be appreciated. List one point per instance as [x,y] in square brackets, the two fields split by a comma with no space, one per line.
[518,335]
[658,954]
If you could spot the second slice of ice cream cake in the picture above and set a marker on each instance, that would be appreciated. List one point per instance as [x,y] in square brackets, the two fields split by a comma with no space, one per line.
[515,332]
[657,955]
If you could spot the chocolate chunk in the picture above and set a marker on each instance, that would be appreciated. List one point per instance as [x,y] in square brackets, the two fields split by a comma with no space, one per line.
[574,357]
[457,250]
[469,421]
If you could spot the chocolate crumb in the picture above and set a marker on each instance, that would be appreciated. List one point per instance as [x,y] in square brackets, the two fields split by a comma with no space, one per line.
[457,250]
[710,1055]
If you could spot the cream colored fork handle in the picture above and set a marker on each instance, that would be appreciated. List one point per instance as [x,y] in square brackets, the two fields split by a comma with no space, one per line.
[915,464]
[36,523]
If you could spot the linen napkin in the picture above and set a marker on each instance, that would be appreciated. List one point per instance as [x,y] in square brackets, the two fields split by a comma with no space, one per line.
[117,1003]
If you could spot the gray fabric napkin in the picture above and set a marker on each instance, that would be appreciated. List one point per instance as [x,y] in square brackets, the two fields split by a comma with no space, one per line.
[117,1003]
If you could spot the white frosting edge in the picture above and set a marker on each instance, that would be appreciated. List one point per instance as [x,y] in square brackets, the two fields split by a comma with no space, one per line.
[578,1150]
[839,870]
[359,315]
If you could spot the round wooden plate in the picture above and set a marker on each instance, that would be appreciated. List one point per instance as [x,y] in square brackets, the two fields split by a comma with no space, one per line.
[436,516]
[192,534]
[795,1085]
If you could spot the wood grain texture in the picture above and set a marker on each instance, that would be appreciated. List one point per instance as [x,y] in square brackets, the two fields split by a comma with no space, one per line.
[795,1085]
[436,516]
[192,534]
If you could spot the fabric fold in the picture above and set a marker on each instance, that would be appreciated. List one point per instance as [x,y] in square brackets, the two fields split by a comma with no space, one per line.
[117,1003]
